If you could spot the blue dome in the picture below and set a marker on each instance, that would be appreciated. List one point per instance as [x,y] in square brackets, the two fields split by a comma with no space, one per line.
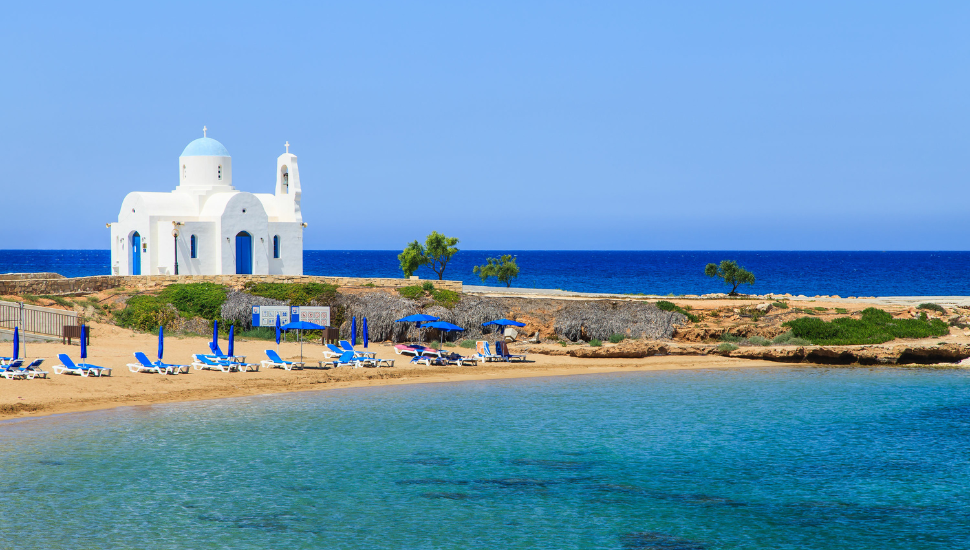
[205,147]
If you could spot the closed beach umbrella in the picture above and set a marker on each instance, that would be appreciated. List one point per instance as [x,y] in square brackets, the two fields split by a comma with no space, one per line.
[364,330]
[353,330]
[161,341]
[278,332]
[16,342]
[215,334]
[84,341]
[232,341]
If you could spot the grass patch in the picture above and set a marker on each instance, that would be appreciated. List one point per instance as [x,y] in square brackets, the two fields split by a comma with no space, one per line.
[261,333]
[195,299]
[841,310]
[933,307]
[617,338]
[293,293]
[757,341]
[726,347]
[30,298]
[779,305]
[446,298]
[875,327]
[789,339]
[728,337]
[595,343]
[468,344]
[664,305]
[820,308]
[411,292]
[59,300]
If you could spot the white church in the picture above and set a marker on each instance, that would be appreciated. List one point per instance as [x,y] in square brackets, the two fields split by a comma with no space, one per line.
[207,227]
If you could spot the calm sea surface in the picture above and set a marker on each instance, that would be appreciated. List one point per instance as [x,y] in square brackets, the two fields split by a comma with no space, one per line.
[649,272]
[689,460]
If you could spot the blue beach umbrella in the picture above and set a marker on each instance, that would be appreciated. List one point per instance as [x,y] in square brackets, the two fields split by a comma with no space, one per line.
[443,326]
[16,342]
[353,330]
[84,341]
[215,334]
[364,330]
[232,341]
[161,341]
[278,332]
[504,323]
[417,319]
[300,326]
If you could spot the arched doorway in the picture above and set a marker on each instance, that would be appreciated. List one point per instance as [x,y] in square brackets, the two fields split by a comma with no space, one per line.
[135,253]
[244,253]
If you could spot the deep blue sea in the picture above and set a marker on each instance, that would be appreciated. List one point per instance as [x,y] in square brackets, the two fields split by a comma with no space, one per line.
[648,272]
[779,459]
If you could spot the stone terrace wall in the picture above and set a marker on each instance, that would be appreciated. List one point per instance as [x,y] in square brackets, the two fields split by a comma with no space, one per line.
[59,285]
[21,276]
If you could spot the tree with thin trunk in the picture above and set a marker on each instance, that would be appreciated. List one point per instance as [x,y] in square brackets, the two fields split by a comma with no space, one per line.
[412,258]
[504,269]
[732,273]
[438,251]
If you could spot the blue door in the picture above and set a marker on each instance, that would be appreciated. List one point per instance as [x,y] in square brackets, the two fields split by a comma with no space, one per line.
[135,253]
[244,253]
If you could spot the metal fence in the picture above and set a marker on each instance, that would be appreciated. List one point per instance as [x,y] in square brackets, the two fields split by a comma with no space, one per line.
[36,319]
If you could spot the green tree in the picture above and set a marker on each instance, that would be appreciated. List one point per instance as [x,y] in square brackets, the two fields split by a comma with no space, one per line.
[732,273]
[438,251]
[504,269]
[412,258]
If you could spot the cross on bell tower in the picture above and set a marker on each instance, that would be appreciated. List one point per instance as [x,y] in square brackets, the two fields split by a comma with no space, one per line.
[287,144]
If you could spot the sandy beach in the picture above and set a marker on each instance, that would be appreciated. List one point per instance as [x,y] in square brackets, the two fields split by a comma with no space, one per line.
[113,347]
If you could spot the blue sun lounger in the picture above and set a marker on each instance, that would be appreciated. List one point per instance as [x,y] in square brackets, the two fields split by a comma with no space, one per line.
[276,361]
[68,366]
[345,346]
[146,365]
[503,351]
[11,371]
[32,370]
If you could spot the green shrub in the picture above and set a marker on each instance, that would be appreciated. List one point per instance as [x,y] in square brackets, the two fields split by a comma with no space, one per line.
[470,344]
[789,339]
[446,298]
[933,307]
[411,292]
[728,337]
[146,313]
[617,338]
[664,305]
[726,347]
[195,299]
[595,343]
[59,300]
[875,327]
[841,310]
[757,341]
[779,305]
[821,309]
[263,333]
[428,286]
[295,294]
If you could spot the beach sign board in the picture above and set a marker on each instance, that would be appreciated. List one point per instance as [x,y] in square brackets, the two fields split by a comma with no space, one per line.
[265,316]
[313,314]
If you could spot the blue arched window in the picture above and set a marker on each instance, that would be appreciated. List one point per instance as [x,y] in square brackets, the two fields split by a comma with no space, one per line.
[276,246]
[194,251]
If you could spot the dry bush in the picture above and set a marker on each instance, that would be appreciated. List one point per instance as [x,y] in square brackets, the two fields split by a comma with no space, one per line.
[602,319]
[238,308]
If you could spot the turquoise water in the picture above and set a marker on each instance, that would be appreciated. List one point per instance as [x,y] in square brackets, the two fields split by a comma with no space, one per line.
[688,460]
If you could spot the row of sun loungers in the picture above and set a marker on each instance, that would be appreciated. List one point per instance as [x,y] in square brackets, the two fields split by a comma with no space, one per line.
[344,355]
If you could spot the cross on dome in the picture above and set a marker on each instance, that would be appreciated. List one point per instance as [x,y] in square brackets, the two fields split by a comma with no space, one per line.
[203,131]
[287,146]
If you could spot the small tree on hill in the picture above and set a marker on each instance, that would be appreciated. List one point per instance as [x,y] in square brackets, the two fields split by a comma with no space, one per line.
[732,273]
[504,269]
[436,253]
[412,258]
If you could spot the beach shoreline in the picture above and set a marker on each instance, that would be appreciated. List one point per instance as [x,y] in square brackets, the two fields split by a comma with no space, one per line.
[62,394]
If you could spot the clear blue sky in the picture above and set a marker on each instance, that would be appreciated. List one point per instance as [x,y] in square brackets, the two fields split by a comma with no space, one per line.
[582,125]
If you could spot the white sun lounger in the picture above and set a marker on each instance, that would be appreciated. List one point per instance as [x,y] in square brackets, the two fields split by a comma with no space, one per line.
[68,366]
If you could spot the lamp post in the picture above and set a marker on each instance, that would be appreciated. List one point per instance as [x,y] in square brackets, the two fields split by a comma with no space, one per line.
[175,238]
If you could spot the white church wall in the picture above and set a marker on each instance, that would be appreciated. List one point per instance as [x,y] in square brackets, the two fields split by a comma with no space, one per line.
[204,171]
[291,249]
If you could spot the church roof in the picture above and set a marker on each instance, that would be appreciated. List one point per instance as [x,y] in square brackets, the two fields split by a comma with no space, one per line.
[205,147]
